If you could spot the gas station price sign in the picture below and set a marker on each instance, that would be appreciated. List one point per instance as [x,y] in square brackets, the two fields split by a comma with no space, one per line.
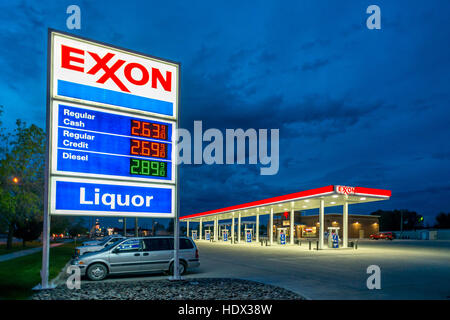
[112,116]
[90,141]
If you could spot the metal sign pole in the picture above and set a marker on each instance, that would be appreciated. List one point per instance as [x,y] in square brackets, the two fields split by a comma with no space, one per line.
[176,234]
[45,251]
[176,228]
[46,223]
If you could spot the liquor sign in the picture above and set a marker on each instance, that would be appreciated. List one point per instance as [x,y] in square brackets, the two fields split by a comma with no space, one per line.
[112,130]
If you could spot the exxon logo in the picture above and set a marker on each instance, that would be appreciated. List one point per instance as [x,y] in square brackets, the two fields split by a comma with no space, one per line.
[107,67]
[345,190]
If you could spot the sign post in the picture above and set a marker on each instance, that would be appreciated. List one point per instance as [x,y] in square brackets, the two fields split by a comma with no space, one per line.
[112,116]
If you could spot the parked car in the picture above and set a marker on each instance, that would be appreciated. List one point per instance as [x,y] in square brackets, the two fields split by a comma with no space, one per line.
[97,242]
[382,235]
[138,255]
[93,248]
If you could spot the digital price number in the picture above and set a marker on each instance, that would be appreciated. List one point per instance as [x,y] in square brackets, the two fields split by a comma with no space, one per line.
[148,168]
[146,148]
[149,130]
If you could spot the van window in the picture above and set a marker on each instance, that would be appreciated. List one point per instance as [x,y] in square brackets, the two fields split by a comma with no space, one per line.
[132,245]
[186,244]
[157,244]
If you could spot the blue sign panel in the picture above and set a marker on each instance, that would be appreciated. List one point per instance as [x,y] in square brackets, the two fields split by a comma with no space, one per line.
[84,92]
[249,236]
[110,144]
[225,235]
[112,199]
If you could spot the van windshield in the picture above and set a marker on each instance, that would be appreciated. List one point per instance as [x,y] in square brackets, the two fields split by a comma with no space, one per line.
[108,247]
[104,241]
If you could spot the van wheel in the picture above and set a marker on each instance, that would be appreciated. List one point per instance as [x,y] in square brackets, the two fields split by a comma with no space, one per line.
[181,268]
[97,272]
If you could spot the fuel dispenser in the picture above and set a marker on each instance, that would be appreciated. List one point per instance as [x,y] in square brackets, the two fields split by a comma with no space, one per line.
[194,234]
[207,235]
[333,237]
[248,235]
[281,235]
[225,234]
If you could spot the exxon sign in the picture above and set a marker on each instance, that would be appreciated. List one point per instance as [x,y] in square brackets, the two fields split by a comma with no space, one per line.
[345,190]
[111,76]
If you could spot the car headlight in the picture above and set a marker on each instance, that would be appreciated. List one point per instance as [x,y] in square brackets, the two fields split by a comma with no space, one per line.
[78,262]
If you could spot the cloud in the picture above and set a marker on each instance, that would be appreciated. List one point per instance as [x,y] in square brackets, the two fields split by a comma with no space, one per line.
[316,64]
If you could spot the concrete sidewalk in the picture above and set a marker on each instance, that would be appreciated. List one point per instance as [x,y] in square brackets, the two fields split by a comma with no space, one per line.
[21,253]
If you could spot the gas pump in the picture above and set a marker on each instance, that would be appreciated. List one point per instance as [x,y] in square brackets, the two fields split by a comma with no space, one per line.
[248,235]
[194,234]
[225,234]
[281,235]
[333,237]
[207,235]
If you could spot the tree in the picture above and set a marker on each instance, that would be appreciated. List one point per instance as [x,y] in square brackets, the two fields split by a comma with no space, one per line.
[28,229]
[391,220]
[443,220]
[76,229]
[59,224]
[22,163]
[170,226]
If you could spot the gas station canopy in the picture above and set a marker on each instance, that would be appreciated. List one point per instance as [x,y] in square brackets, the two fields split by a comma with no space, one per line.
[333,195]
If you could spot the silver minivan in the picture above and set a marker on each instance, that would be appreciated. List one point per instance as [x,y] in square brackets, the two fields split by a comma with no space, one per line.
[97,247]
[138,255]
[107,238]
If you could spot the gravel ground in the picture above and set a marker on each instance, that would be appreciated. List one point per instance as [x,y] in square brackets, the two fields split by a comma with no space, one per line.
[192,289]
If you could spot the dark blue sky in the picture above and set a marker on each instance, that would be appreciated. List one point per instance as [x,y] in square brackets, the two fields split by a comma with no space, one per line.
[354,106]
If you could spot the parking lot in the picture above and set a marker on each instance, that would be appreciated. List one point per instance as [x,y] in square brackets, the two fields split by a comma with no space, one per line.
[410,269]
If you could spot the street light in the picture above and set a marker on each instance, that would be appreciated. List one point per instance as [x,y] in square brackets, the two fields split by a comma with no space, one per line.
[15,180]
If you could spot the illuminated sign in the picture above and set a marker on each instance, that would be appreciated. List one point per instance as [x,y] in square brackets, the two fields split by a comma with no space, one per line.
[112,130]
[89,71]
[74,196]
[345,190]
[90,142]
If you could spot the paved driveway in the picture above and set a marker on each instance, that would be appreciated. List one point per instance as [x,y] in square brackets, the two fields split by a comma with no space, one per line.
[409,269]
[25,252]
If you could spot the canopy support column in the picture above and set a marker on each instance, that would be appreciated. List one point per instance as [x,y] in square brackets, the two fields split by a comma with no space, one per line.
[187,228]
[292,224]
[216,225]
[239,228]
[345,225]
[232,228]
[321,223]
[270,231]
[257,225]
[200,229]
